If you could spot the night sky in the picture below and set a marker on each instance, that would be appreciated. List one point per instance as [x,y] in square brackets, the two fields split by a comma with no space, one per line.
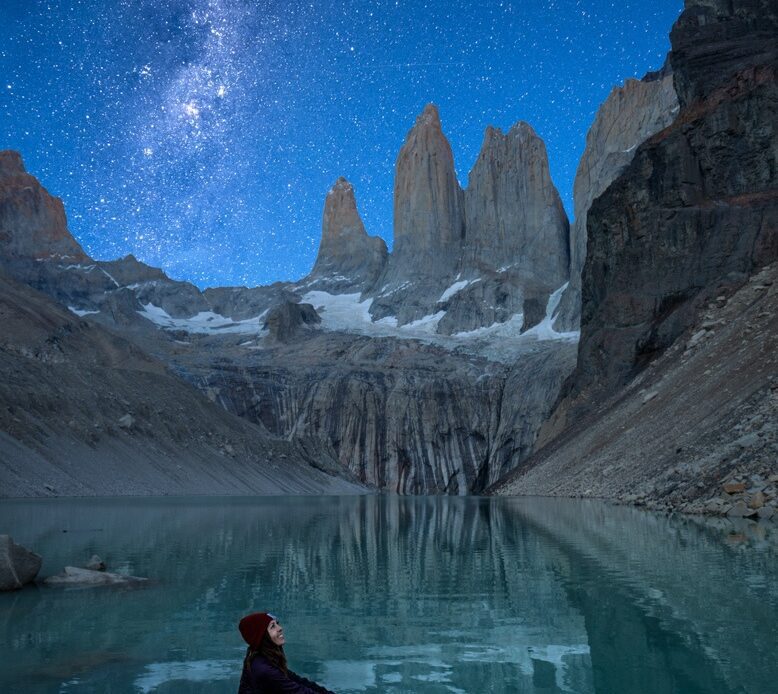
[203,135]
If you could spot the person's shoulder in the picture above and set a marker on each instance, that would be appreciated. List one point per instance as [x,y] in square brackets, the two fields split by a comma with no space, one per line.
[260,664]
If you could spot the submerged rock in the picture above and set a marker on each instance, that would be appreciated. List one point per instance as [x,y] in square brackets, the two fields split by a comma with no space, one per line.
[18,565]
[75,576]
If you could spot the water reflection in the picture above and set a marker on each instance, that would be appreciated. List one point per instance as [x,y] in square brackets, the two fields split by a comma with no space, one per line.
[396,594]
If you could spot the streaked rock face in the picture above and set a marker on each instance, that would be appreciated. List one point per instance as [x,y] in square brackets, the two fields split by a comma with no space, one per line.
[428,203]
[629,116]
[513,213]
[347,256]
[32,222]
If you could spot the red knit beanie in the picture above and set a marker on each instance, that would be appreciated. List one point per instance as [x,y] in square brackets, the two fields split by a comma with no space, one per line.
[253,627]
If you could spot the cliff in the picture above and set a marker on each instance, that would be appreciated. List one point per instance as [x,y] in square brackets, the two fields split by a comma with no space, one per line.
[673,387]
[629,116]
[32,222]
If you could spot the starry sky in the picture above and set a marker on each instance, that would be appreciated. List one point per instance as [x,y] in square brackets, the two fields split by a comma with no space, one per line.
[203,135]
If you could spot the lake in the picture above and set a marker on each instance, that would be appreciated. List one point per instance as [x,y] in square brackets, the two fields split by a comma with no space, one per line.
[395,594]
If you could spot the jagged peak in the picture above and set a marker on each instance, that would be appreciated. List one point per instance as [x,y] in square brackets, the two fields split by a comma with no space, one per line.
[520,131]
[11,163]
[342,185]
[429,116]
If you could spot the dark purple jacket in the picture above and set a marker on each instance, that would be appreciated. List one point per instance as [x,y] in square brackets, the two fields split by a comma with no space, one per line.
[264,678]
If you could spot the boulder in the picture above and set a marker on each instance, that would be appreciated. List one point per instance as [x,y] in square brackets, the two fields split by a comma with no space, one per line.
[740,510]
[757,501]
[18,565]
[287,318]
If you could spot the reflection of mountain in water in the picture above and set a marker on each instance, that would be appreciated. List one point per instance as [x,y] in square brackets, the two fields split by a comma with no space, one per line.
[396,594]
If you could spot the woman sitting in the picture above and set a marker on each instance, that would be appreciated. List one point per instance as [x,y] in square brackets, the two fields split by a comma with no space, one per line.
[264,668]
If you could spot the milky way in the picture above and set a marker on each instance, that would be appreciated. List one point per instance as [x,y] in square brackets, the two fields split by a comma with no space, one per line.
[203,135]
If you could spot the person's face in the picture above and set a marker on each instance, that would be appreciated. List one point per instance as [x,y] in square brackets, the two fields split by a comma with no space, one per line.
[276,633]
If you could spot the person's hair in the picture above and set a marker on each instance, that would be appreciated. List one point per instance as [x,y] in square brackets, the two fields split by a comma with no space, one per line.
[269,651]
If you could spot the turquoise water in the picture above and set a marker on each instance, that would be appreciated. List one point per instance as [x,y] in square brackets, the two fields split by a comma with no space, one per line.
[388,594]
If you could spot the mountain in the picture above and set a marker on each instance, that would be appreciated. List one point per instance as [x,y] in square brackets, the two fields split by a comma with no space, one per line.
[446,393]
[470,259]
[85,412]
[673,394]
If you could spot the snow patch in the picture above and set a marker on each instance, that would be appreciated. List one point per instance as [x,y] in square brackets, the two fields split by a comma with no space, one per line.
[454,289]
[545,329]
[206,322]
[108,275]
[81,312]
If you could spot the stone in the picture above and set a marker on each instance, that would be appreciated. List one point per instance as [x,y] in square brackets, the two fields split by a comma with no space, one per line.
[757,501]
[740,510]
[747,441]
[127,421]
[765,512]
[649,396]
[734,487]
[95,563]
[75,576]
[285,320]
[698,337]
[18,565]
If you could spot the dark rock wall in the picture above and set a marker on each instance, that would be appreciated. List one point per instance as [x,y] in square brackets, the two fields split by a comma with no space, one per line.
[697,208]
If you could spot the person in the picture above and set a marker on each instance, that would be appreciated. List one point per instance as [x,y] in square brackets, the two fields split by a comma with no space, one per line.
[264,667]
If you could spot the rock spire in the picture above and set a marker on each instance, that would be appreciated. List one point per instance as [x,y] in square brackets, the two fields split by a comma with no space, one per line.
[513,213]
[346,252]
[428,201]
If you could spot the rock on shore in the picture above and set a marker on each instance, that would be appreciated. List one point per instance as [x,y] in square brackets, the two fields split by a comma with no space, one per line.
[18,565]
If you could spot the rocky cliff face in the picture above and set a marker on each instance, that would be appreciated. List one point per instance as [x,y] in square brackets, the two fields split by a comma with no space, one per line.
[429,225]
[629,116]
[32,222]
[477,257]
[348,258]
[688,230]
[513,214]
[399,414]
[697,207]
